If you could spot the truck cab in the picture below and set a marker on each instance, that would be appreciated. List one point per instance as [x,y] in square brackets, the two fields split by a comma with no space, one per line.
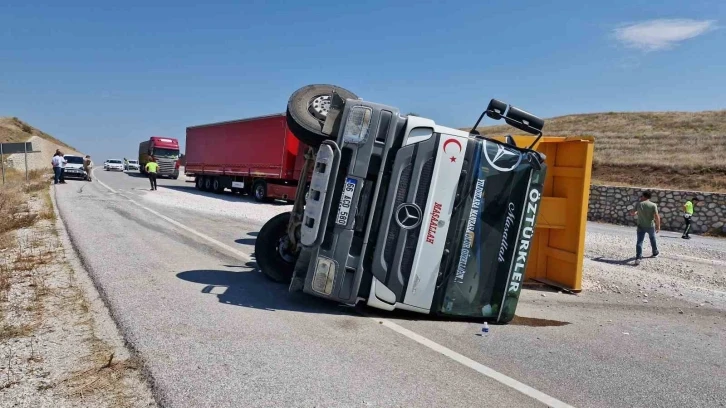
[402,213]
[165,151]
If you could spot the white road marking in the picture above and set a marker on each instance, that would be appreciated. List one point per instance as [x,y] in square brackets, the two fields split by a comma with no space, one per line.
[459,358]
[239,254]
[481,368]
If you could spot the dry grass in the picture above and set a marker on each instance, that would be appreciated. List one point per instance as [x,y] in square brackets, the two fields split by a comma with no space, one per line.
[13,130]
[5,284]
[14,211]
[9,332]
[682,150]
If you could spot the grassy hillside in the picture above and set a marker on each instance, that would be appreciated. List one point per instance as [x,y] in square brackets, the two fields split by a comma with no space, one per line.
[15,130]
[683,150]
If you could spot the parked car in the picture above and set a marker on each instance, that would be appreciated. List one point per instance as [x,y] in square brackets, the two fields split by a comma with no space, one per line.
[132,165]
[74,167]
[114,164]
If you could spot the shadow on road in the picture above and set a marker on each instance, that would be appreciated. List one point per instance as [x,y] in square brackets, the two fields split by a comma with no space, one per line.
[247,241]
[628,261]
[251,289]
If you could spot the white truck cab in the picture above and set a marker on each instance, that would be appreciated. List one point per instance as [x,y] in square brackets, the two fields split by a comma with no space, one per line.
[402,213]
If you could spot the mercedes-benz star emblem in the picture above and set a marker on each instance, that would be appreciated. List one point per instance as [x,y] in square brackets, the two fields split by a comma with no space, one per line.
[502,152]
[408,216]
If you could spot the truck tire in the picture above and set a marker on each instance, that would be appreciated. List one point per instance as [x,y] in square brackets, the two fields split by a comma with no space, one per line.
[217,186]
[269,250]
[207,184]
[307,109]
[199,182]
[259,191]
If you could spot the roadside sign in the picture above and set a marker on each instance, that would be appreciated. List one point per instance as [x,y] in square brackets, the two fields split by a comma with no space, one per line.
[12,148]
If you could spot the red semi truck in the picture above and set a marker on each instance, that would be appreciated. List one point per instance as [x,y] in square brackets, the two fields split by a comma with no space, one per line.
[165,151]
[258,156]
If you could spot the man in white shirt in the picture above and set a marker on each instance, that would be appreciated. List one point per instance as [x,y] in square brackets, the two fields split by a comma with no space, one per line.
[57,162]
[63,168]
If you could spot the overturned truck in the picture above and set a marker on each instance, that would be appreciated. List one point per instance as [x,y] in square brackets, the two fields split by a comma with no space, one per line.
[401,213]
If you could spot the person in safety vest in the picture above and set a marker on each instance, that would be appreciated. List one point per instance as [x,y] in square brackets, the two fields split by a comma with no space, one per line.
[687,214]
[151,169]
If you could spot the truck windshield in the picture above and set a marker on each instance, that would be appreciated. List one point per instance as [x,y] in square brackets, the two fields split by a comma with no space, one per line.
[489,220]
[166,153]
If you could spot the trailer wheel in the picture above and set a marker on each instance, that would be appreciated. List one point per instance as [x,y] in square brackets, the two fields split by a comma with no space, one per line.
[271,250]
[207,184]
[259,191]
[307,110]
[217,186]
[199,182]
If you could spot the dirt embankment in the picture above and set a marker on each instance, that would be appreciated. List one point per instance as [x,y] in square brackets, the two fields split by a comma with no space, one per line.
[13,130]
[671,150]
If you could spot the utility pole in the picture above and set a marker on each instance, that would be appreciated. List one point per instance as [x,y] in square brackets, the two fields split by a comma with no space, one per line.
[2,161]
[25,149]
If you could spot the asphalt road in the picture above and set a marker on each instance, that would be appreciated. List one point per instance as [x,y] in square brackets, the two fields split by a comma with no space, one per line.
[212,331]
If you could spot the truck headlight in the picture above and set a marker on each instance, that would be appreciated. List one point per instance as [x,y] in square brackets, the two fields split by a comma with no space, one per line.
[324,276]
[357,125]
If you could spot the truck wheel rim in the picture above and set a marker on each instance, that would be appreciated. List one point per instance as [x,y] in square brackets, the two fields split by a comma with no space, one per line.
[259,192]
[282,251]
[319,106]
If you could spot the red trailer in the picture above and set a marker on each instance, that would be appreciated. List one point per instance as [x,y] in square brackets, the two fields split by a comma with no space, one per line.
[258,156]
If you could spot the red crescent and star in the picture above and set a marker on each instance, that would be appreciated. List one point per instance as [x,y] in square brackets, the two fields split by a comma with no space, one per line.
[456,142]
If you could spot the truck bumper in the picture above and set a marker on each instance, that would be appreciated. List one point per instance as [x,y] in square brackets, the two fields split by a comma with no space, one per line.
[346,179]
[329,274]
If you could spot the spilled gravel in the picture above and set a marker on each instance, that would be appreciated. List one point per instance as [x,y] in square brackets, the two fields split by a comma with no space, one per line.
[225,205]
[691,270]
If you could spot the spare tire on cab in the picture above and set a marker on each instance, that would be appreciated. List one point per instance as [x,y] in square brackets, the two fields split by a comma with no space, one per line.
[308,108]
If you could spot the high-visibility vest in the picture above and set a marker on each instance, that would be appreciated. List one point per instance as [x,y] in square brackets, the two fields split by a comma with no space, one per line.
[152,167]
[689,207]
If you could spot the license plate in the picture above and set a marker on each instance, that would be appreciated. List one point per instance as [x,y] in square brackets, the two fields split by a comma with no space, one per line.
[346,200]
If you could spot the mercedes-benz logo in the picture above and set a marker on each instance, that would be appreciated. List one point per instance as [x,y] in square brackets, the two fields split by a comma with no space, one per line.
[502,153]
[408,216]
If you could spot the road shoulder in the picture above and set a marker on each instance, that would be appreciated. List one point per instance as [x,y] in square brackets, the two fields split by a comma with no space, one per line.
[59,345]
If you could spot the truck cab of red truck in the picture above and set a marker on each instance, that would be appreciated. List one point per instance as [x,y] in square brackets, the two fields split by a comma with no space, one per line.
[403,213]
[165,151]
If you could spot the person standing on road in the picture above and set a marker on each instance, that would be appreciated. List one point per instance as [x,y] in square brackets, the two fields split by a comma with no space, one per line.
[56,162]
[151,169]
[648,222]
[88,167]
[63,167]
[687,214]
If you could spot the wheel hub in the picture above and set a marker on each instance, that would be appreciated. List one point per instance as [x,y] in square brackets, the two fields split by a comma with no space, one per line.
[319,106]
[283,248]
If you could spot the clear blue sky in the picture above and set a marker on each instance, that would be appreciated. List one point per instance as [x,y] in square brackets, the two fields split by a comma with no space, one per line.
[103,78]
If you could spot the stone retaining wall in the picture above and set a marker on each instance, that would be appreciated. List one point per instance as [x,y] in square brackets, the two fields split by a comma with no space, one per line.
[612,204]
